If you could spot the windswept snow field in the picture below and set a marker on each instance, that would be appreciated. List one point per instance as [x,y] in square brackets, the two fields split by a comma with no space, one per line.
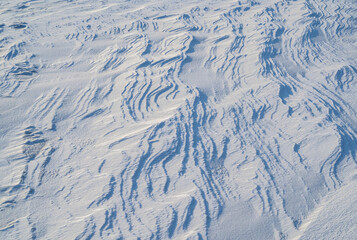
[178,119]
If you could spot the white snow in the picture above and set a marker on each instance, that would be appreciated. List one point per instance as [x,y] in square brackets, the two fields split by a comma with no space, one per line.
[178,119]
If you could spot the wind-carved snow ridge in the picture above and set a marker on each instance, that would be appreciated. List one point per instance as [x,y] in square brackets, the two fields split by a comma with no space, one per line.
[182,120]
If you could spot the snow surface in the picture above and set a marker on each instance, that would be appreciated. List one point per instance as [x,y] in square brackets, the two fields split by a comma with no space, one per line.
[178,119]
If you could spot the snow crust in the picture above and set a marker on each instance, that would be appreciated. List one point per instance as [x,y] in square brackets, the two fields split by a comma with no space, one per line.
[178,119]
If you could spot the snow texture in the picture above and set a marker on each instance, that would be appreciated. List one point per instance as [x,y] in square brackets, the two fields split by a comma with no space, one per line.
[178,119]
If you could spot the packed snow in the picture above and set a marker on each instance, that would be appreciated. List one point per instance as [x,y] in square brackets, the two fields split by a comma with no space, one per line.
[178,119]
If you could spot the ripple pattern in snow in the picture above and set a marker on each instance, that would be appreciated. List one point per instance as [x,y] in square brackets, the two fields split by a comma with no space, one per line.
[177,119]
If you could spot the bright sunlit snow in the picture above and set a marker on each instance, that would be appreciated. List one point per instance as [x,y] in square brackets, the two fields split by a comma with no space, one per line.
[178,119]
